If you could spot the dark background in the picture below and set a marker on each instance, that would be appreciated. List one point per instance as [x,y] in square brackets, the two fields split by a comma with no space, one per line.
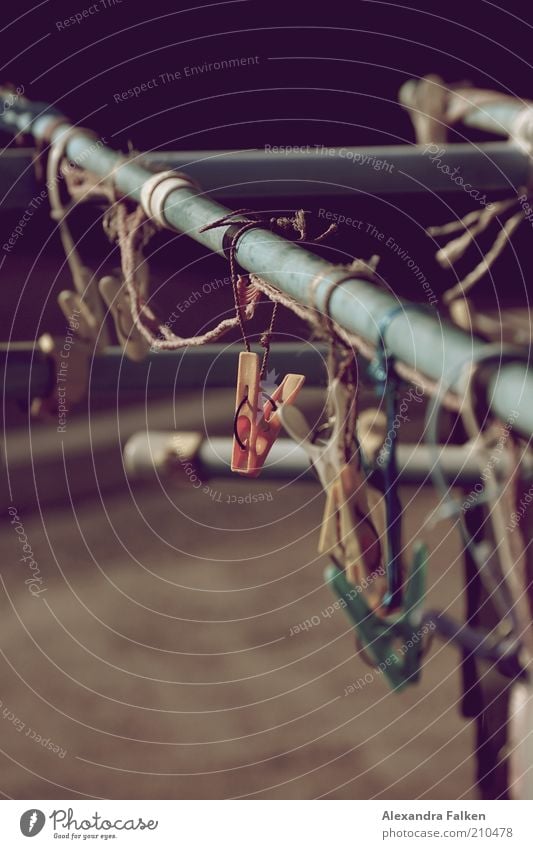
[342,66]
[327,74]
[161,661]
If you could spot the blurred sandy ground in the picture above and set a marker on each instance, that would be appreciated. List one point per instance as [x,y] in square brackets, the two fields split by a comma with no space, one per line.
[160,657]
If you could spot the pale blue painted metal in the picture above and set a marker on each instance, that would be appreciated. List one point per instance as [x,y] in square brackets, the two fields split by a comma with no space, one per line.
[423,341]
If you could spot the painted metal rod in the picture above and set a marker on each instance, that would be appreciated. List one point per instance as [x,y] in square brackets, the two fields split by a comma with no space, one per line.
[287,459]
[26,372]
[490,111]
[155,451]
[312,173]
[498,115]
[315,170]
[458,463]
[423,341]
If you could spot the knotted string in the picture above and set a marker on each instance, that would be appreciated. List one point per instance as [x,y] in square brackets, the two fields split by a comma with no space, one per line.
[297,224]
[472,225]
[434,107]
[133,231]
[81,187]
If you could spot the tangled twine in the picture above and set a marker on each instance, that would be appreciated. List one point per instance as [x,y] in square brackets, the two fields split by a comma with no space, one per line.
[433,108]
[324,327]
[472,225]
[132,231]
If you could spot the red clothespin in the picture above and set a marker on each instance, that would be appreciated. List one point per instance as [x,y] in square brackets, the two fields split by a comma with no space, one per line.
[257,424]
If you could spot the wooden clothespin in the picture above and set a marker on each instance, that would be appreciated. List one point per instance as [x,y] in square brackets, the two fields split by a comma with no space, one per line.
[87,326]
[83,305]
[117,299]
[347,532]
[257,423]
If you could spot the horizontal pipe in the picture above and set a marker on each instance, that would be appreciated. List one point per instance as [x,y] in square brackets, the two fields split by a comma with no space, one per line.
[288,460]
[459,464]
[489,111]
[190,368]
[311,172]
[316,170]
[27,373]
[421,340]
[147,453]
[497,116]
[18,181]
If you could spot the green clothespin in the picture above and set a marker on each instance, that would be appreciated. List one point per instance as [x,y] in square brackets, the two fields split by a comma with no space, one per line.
[395,642]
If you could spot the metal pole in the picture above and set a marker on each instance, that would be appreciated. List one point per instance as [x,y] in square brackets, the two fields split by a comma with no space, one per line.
[422,341]
[398,169]
[490,111]
[459,463]
[155,451]
[312,173]
[26,372]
